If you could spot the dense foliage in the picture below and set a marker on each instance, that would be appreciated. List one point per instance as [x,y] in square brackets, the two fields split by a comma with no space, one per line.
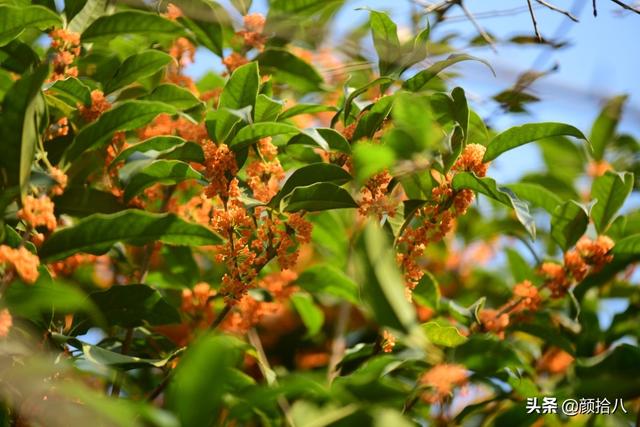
[308,237]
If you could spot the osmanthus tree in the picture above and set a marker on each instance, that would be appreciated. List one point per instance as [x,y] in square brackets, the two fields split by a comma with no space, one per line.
[294,240]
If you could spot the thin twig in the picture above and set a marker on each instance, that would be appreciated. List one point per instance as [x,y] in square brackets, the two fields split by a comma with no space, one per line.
[595,8]
[557,9]
[533,19]
[126,344]
[626,6]
[475,23]
[153,394]
[254,339]
[221,316]
[489,14]
[339,343]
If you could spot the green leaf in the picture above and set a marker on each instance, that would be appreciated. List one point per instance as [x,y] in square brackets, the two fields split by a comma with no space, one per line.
[488,187]
[102,356]
[416,50]
[222,121]
[130,22]
[134,305]
[536,194]
[325,278]
[127,116]
[356,93]
[311,315]
[460,110]
[370,159]
[520,135]
[610,190]
[165,172]
[72,90]
[179,97]
[298,109]
[83,201]
[410,136]
[203,378]
[487,355]
[97,233]
[382,283]
[568,223]
[385,40]
[428,291]
[154,144]
[418,81]
[371,121]
[91,10]
[290,70]
[446,336]
[242,6]
[205,25]
[317,197]
[252,133]
[613,374]
[628,246]
[46,296]
[14,20]
[241,89]
[136,67]
[604,128]
[267,109]
[312,174]
[23,111]
[520,269]
[331,137]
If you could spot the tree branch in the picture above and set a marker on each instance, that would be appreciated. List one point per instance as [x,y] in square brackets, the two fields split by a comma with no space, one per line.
[533,19]
[626,6]
[557,9]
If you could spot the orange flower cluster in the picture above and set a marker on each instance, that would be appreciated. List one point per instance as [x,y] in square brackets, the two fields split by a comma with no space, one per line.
[183,51]
[173,12]
[598,168]
[59,128]
[6,322]
[374,198]
[526,297]
[443,379]
[67,266]
[555,361]
[234,223]
[494,321]
[67,47]
[287,250]
[38,212]
[234,61]
[252,31]
[252,240]
[24,262]
[588,256]
[196,303]
[61,181]
[264,175]
[99,105]
[164,124]
[221,166]
[249,311]
[438,216]
[388,341]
